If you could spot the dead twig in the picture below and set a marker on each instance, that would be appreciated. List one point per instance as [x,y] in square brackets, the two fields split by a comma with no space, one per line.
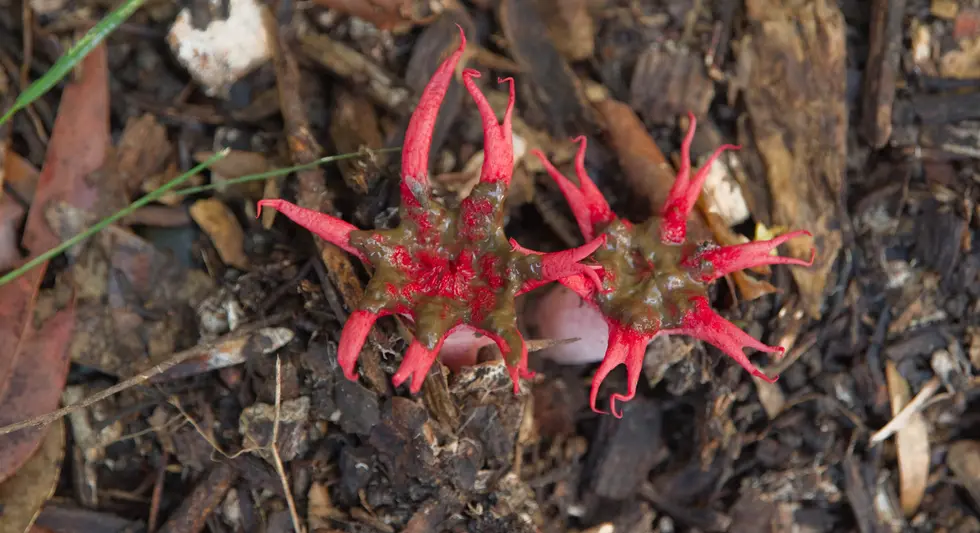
[274,448]
[142,377]
[902,418]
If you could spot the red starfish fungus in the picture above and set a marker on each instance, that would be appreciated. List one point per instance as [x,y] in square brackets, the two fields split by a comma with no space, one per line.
[653,281]
[445,269]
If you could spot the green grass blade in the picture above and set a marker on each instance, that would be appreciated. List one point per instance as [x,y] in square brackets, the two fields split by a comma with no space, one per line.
[104,223]
[63,66]
[280,171]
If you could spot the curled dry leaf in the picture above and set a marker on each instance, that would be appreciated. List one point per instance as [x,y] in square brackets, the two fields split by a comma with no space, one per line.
[22,495]
[912,442]
[31,384]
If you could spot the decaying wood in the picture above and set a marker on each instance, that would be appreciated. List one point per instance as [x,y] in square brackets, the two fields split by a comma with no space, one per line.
[792,63]
[202,501]
[887,18]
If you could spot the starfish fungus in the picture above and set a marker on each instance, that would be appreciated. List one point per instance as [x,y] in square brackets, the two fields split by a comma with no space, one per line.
[445,269]
[653,280]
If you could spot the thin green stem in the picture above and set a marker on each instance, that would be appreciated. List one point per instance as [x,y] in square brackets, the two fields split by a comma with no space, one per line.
[104,223]
[279,172]
[75,54]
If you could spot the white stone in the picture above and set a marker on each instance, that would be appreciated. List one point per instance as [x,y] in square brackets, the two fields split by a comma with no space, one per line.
[226,50]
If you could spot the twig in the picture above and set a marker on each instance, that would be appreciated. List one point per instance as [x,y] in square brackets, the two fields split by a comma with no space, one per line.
[142,377]
[275,452]
[151,523]
[207,437]
[272,446]
[902,418]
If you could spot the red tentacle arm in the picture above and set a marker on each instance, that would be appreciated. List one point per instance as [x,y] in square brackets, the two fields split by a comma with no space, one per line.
[717,262]
[416,364]
[589,207]
[557,265]
[685,191]
[585,286]
[418,136]
[352,339]
[498,143]
[625,347]
[330,229]
[705,324]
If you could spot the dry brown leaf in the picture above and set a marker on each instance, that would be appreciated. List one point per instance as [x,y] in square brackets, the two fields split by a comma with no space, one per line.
[912,442]
[217,220]
[18,174]
[23,495]
[31,385]
[135,304]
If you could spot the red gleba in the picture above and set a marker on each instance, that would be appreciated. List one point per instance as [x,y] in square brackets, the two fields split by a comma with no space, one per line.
[445,269]
[653,280]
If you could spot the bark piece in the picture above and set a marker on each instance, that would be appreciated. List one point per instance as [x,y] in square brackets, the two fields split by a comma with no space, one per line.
[669,81]
[793,66]
[626,450]
[882,70]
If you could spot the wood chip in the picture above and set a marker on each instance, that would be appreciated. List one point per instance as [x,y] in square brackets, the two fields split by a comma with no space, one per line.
[887,18]
[217,220]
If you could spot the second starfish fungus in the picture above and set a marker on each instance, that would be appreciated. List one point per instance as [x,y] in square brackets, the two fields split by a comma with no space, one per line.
[443,268]
[653,280]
